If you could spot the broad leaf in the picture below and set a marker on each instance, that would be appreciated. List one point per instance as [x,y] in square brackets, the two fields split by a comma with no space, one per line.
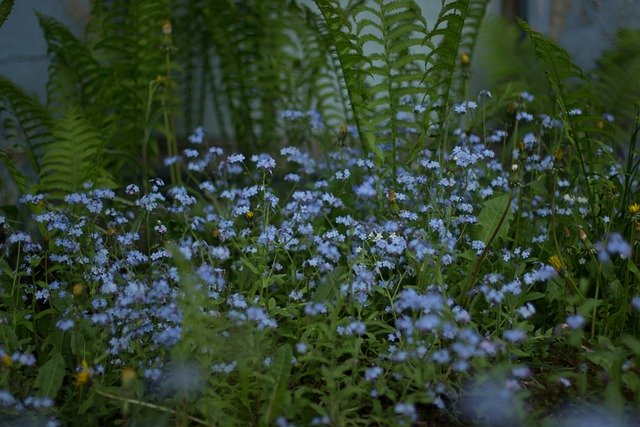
[50,376]
[493,220]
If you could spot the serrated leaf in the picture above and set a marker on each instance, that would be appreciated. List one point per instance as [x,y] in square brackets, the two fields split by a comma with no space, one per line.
[50,376]
[494,219]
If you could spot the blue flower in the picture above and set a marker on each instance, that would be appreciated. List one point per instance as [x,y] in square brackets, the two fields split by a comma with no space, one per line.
[64,324]
[514,335]
[575,321]
[613,244]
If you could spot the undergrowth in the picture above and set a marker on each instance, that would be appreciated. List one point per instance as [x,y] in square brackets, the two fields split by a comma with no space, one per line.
[411,253]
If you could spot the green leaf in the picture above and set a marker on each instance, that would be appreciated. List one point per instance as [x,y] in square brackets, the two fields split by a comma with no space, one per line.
[50,376]
[634,269]
[494,218]
[328,290]
[532,296]
[277,384]
[18,177]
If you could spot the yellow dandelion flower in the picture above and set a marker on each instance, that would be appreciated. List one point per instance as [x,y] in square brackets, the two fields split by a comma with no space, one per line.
[6,360]
[128,375]
[634,208]
[559,154]
[77,289]
[555,262]
[83,377]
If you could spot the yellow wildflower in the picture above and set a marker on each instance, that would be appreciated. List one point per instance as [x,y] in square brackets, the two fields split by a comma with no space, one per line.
[83,377]
[555,262]
[465,59]
[6,360]
[128,375]
[634,208]
[166,27]
[77,289]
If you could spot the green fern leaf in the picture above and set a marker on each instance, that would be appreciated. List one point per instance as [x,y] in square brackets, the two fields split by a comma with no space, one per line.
[73,157]
[31,123]
[18,177]
[443,59]
[75,77]
[561,72]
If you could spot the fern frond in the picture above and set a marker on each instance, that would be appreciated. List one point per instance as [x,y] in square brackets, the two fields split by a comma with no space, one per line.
[18,177]
[31,122]
[73,157]
[442,60]
[127,38]
[616,83]
[75,77]
[509,58]
[470,33]
[377,83]
[395,32]
[229,33]
[560,72]
[322,70]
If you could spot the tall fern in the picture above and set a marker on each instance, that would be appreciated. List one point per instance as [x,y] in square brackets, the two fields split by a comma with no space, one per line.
[72,157]
[470,33]
[406,63]
[446,39]
[616,83]
[127,38]
[561,72]
[75,77]
[321,70]
[29,123]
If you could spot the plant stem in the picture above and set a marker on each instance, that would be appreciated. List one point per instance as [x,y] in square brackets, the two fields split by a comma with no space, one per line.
[151,406]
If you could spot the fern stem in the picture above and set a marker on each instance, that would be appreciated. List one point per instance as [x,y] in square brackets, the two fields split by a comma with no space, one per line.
[169,116]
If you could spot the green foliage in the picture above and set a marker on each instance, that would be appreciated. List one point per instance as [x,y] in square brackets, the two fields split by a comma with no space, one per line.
[494,219]
[73,157]
[615,83]
[64,153]
[28,121]
[442,60]
[76,79]
[508,59]
[407,64]
[118,81]
[560,73]
[277,383]
[347,294]
[50,376]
